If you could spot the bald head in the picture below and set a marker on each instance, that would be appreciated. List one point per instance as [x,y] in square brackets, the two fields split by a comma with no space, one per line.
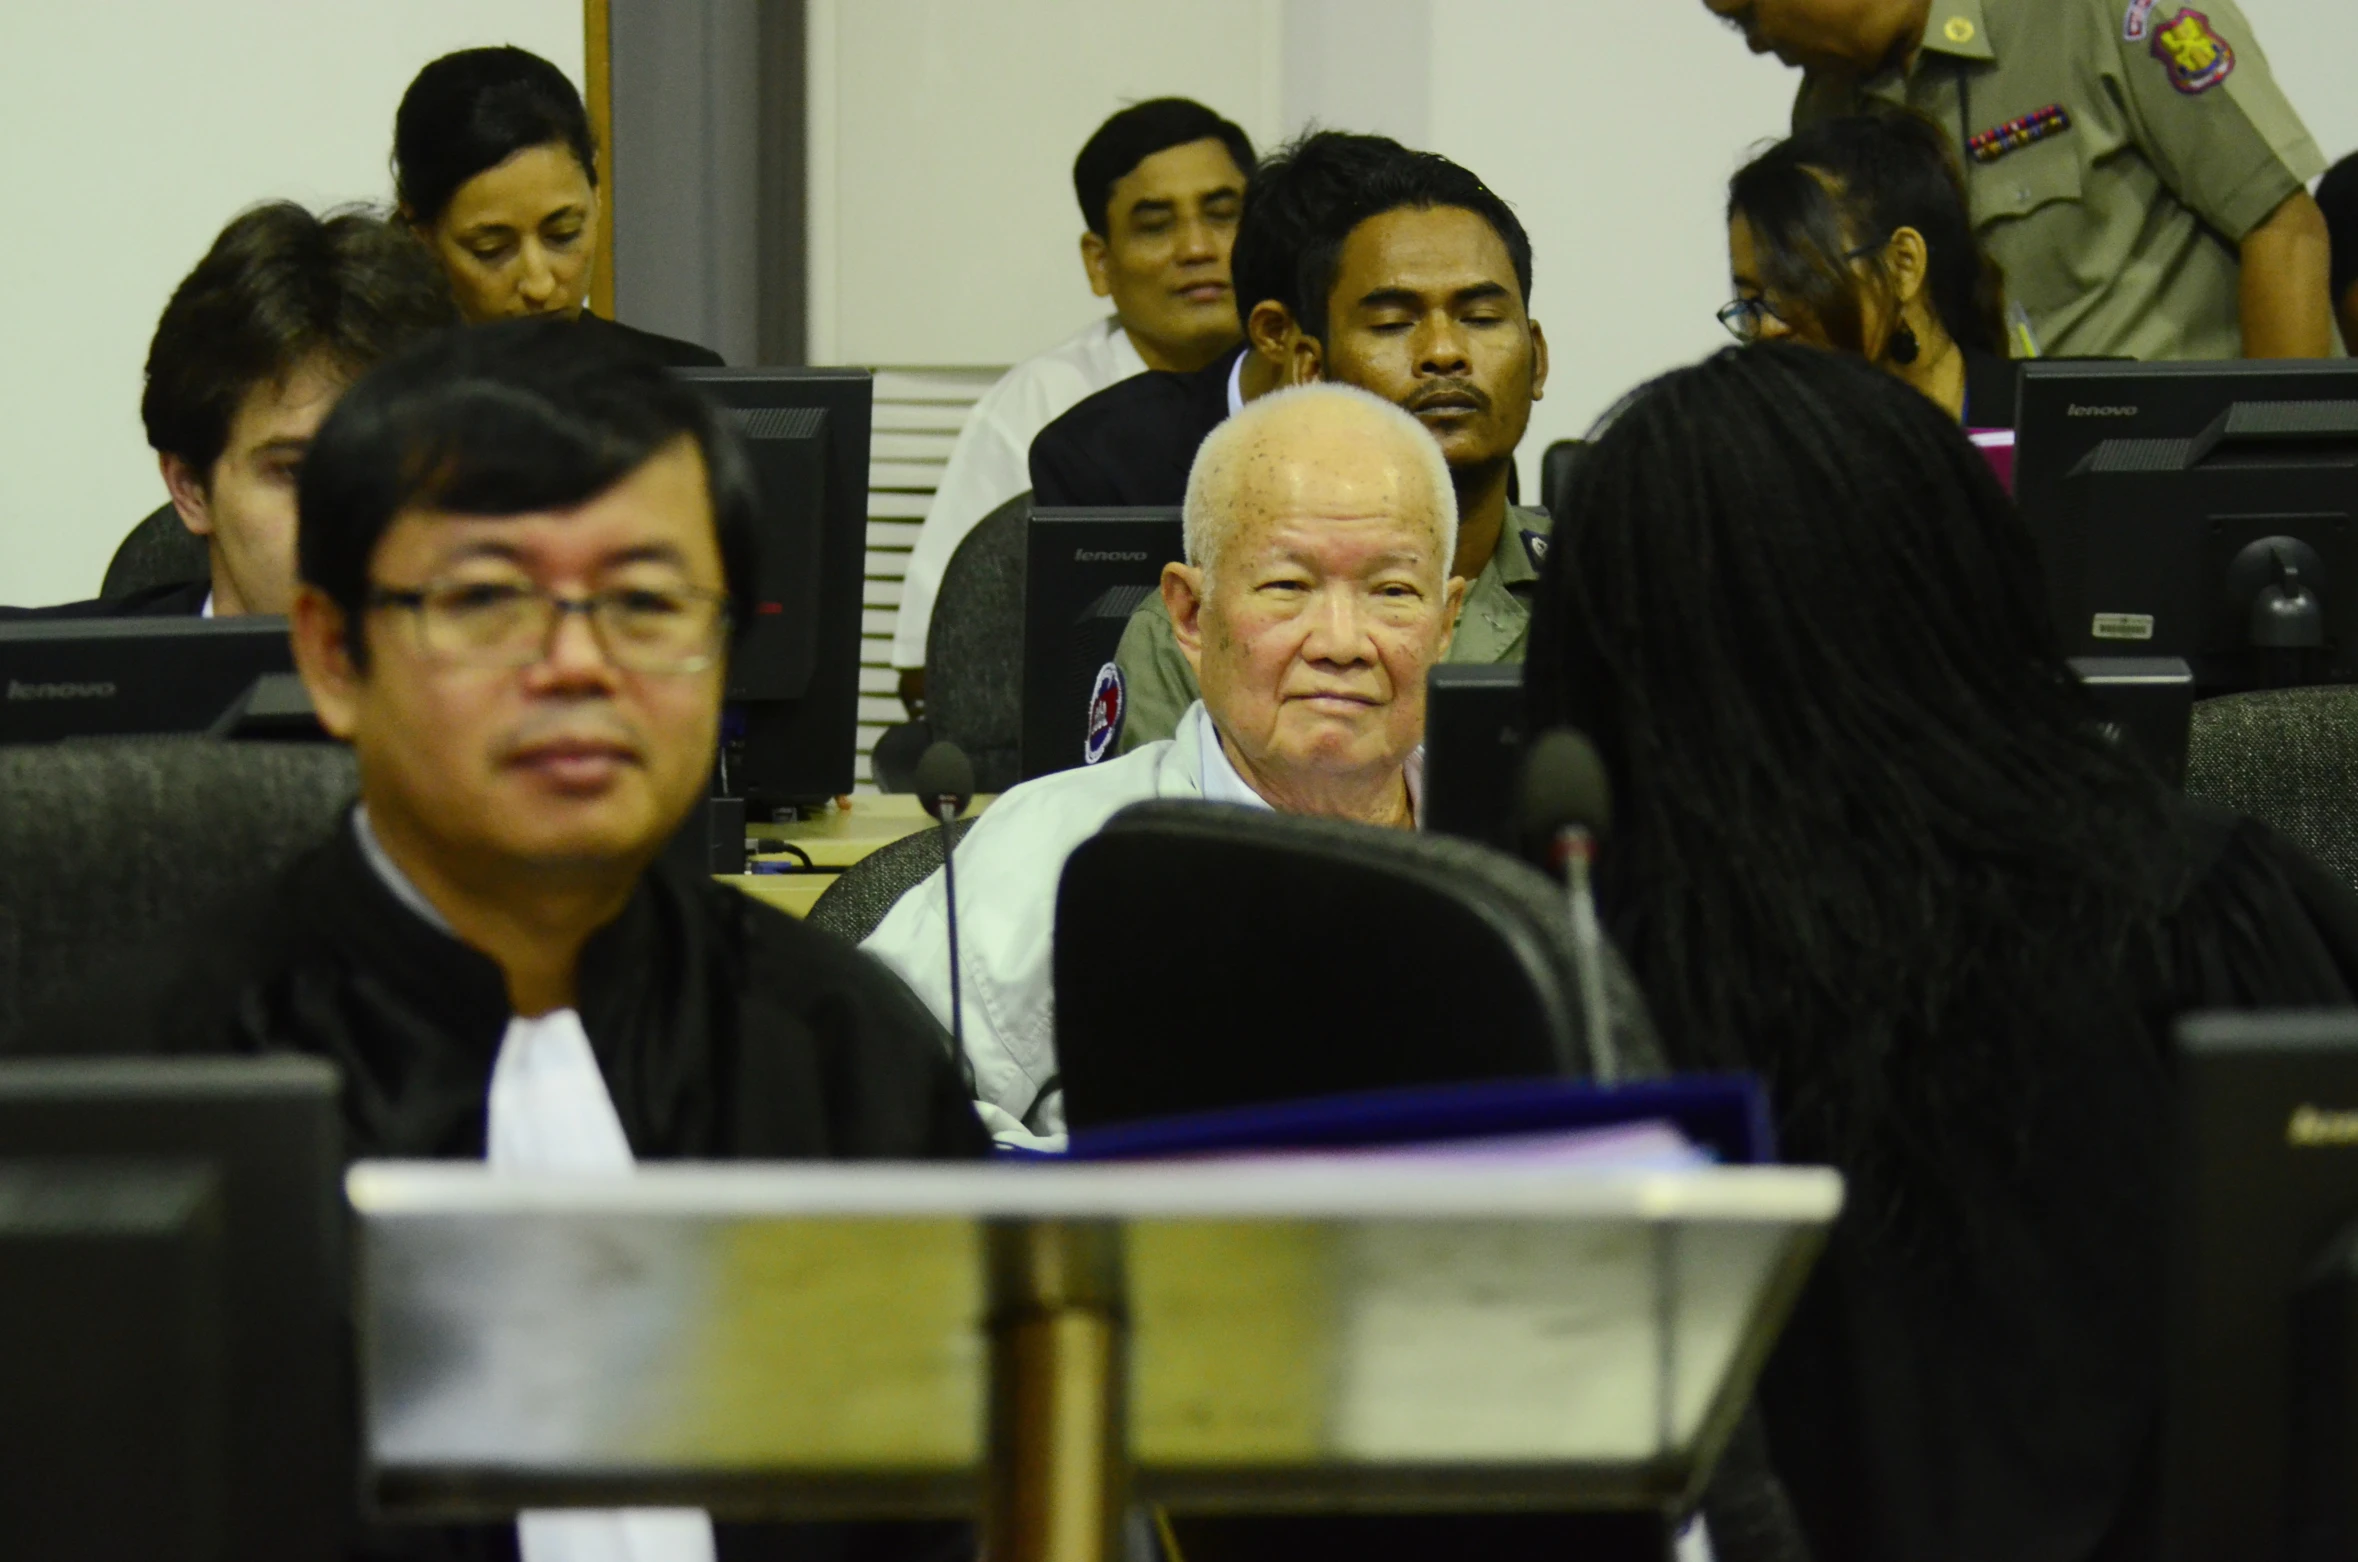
[1321,449]
[1321,523]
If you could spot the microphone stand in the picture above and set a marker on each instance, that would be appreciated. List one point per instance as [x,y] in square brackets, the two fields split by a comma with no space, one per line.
[946,809]
[1576,850]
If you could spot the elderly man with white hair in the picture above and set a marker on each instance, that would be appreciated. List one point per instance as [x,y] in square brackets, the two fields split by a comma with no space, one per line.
[1320,524]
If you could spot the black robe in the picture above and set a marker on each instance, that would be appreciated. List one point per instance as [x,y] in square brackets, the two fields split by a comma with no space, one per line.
[724,1029]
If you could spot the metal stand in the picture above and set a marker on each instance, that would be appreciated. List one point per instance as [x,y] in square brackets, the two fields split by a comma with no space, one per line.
[1058,1479]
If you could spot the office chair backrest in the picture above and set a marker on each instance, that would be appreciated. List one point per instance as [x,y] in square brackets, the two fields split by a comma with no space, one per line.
[1556,468]
[1210,956]
[974,648]
[2288,758]
[159,551]
[107,847]
[851,907]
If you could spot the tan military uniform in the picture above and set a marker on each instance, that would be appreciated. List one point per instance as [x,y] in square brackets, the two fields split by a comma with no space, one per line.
[1493,626]
[2118,219]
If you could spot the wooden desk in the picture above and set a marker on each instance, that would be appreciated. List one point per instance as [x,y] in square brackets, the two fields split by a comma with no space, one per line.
[842,836]
[836,840]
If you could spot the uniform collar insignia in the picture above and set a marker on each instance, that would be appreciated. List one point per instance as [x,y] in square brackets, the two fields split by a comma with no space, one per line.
[1956,28]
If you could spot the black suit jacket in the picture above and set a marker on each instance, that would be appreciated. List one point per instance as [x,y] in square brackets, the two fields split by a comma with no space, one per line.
[669,351]
[1131,443]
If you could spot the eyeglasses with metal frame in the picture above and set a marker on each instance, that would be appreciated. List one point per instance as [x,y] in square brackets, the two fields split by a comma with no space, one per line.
[645,629]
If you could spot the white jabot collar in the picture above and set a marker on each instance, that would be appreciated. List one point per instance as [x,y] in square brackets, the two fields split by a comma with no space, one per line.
[1236,383]
[549,1111]
[1221,783]
[207,610]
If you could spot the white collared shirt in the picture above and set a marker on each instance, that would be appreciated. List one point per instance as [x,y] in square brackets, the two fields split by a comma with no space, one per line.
[992,461]
[1236,383]
[1009,866]
[1222,783]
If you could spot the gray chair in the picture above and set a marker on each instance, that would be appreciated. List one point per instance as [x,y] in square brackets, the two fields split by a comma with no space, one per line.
[2287,757]
[974,647]
[160,551]
[1210,957]
[108,847]
[851,907]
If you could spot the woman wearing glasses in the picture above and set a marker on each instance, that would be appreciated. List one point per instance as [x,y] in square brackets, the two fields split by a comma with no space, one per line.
[1855,236]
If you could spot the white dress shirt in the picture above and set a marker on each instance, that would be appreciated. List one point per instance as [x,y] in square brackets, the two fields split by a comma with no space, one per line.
[1009,866]
[550,1112]
[991,463]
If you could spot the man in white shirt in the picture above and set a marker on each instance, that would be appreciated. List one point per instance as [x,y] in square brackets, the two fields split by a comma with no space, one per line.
[1320,525]
[1160,186]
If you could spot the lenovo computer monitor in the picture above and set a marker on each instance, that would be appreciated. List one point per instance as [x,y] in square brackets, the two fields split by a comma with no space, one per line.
[128,677]
[2260,1441]
[1085,573]
[791,737]
[174,1301]
[2069,407]
[2231,549]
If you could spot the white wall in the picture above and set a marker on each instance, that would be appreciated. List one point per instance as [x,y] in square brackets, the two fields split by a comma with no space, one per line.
[942,224]
[135,129]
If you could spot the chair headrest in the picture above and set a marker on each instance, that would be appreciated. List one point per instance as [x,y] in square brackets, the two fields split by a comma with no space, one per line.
[1211,956]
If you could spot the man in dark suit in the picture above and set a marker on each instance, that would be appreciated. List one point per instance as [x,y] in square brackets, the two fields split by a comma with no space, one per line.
[285,311]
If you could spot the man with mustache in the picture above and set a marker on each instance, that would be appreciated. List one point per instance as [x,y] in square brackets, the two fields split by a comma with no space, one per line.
[518,548]
[1414,281]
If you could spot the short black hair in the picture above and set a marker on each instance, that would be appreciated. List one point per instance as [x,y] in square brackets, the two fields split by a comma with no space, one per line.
[474,110]
[1375,175]
[1136,134]
[505,419]
[1290,191]
[1855,180]
[278,287]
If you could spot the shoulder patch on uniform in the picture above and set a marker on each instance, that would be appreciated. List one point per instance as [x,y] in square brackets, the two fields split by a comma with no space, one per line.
[1989,145]
[2192,51]
[1535,547]
[1109,702]
[2134,22]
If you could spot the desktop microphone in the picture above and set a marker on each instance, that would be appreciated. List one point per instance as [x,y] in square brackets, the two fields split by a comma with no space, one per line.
[944,786]
[1564,807]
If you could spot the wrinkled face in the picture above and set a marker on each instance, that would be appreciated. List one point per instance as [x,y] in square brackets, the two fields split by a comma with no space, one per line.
[245,507]
[570,762]
[1840,36]
[1164,257]
[1427,313]
[1325,603]
[520,238]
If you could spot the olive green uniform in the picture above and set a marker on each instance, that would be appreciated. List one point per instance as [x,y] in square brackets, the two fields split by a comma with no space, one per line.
[2118,220]
[1493,626]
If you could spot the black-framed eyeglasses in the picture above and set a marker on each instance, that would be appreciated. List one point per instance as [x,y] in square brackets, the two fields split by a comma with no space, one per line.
[646,629]
[1743,317]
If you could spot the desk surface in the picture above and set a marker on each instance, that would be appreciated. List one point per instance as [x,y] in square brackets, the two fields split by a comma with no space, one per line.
[792,893]
[842,836]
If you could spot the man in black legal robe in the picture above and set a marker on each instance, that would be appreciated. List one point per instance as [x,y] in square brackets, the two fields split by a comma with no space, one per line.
[519,547]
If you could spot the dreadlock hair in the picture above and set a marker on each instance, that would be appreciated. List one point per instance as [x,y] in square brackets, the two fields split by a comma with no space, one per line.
[1843,184]
[1871,840]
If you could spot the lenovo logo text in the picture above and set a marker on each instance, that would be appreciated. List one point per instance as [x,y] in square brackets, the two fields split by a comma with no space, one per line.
[2075,410]
[1107,556]
[60,691]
